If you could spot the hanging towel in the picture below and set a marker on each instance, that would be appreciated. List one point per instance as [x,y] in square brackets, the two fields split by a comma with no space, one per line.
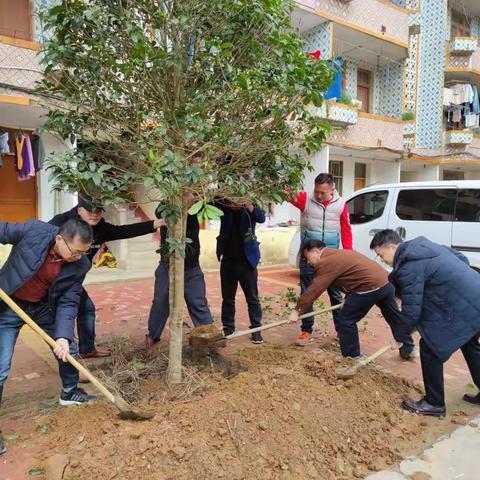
[31,167]
[19,141]
[468,93]
[447,96]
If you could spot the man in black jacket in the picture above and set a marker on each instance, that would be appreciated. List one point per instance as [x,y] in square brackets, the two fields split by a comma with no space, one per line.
[194,290]
[91,212]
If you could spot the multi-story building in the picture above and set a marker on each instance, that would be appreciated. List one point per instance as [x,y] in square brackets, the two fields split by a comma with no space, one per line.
[23,112]
[392,113]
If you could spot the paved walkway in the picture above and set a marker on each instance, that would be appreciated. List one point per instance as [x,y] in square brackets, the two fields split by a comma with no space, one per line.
[123,307]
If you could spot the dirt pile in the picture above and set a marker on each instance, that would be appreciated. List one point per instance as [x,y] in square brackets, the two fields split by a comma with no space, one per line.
[285,417]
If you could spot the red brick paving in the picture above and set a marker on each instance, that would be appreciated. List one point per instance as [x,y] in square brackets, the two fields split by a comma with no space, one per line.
[123,307]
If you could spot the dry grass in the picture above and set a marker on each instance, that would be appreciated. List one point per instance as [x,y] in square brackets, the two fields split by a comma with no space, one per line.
[130,365]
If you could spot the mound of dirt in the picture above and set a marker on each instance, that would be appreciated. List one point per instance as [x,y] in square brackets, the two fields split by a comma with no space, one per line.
[285,416]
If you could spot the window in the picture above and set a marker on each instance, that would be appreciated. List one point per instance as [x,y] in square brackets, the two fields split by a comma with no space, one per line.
[453,175]
[360,176]
[468,206]
[460,25]
[16,20]
[336,170]
[364,85]
[434,205]
[367,207]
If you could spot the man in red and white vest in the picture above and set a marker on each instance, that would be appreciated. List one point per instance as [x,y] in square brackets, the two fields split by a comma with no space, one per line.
[324,216]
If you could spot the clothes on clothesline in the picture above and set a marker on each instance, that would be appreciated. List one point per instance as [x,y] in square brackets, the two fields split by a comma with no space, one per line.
[463,106]
[28,152]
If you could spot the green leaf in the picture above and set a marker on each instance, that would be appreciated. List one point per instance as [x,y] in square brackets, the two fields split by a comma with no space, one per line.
[213,213]
[137,365]
[196,207]
[36,472]
[11,437]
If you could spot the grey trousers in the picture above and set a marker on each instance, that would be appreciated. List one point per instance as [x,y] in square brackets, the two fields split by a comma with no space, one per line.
[195,299]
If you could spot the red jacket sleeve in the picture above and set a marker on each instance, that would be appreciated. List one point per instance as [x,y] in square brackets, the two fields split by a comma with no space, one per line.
[346,230]
[300,201]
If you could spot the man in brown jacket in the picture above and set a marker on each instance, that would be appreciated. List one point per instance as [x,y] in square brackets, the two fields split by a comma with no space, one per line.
[365,284]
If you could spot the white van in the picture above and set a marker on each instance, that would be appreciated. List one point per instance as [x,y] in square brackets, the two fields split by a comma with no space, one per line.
[446,212]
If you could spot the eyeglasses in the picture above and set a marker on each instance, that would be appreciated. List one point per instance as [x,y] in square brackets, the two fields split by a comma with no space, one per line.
[75,254]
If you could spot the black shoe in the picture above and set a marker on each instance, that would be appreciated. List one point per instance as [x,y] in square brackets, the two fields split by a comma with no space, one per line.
[475,399]
[228,331]
[422,407]
[77,396]
[408,351]
[2,447]
[257,338]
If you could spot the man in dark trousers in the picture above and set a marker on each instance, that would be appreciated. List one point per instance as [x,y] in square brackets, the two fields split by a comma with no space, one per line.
[91,212]
[44,275]
[324,216]
[440,298]
[239,253]
[195,289]
[365,284]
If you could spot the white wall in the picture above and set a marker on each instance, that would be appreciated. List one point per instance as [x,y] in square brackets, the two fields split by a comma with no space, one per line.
[426,172]
[384,172]
[50,203]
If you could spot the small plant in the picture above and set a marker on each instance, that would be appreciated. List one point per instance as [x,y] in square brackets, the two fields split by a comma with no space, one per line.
[345,99]
[408,116]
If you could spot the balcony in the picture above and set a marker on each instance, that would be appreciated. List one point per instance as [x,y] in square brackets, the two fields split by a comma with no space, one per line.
[337,114]
[385,22]
[463,45]
[465,68]
[458,137]
[372,131]
[408,128]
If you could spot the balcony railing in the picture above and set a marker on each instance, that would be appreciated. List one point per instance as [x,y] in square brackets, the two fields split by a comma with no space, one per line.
[337,114]
[458,137]
[463,45]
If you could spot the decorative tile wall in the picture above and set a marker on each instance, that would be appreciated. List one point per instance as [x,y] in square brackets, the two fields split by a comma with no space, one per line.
[410,93]
[41,5]
[431,78]
[389,90]
[400,3]
[412,4]
[318,38]
[25,66]
[351,77]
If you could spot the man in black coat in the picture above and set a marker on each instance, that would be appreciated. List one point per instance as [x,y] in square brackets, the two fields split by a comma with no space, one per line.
[194,284]
[440,298]
[44,274]
[91,212]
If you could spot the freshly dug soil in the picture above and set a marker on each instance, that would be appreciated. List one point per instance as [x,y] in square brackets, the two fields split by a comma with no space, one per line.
[274,413]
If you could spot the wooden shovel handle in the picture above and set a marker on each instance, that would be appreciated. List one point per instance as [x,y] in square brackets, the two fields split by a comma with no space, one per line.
[53,344]
[280,322]
[375,355]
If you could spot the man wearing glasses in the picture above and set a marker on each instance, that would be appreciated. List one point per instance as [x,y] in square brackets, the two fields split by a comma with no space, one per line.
[91,212]
[44,275]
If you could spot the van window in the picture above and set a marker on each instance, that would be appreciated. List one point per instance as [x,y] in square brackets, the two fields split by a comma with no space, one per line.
[367,206]
[433,205]
[468,206]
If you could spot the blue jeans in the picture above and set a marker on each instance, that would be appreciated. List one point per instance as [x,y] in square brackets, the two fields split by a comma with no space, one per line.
[86,324]
[195,298]
[10,325]
[307,273]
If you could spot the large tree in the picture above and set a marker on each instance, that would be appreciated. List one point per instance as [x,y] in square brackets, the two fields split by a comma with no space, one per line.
[210,98]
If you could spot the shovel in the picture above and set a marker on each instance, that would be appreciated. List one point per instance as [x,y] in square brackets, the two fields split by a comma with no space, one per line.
[206,338]
[350,372]
[126,412]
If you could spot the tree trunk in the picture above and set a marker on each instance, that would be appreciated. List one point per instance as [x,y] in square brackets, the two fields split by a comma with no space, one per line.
[176,299]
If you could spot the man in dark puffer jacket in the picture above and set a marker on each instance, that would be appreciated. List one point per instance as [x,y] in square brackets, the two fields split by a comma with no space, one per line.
[440,298]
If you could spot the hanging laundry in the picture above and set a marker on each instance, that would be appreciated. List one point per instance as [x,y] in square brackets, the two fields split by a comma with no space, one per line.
[315,55]
[4,147]
[476,101]
[335,89]
[447,96]
[38,152]
[471,120]
[23,157]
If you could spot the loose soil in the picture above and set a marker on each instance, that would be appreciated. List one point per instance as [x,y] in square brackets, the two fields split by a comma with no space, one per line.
[268,413]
